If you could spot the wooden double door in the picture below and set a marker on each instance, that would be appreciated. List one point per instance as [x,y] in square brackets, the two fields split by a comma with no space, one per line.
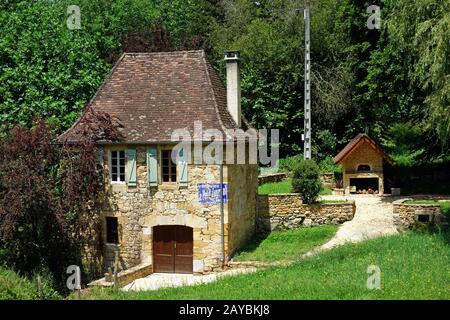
[172,249]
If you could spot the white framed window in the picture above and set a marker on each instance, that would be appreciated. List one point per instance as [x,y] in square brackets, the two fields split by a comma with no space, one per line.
[117,166]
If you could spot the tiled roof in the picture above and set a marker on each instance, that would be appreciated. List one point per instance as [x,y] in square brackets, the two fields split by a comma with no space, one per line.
[152,94]
[355,142]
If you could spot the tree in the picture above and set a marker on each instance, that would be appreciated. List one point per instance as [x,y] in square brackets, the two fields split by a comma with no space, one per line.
[50,194]
[306,180]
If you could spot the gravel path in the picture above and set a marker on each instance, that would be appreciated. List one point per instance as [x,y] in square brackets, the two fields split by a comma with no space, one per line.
[373,218]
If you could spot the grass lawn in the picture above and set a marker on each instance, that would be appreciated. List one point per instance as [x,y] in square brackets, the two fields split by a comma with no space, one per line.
[284,186]
[445,205]
[286,245]
[414,265]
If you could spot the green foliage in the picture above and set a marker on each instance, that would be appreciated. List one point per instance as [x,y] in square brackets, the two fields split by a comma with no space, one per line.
[421,29]
[285,245]
[403,142]
[288,164]
[445,208]
[327,165]
[306,180]
[362,79]
[51,71]
[16,287]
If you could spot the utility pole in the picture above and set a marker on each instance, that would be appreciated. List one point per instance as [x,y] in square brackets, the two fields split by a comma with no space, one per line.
[307,105]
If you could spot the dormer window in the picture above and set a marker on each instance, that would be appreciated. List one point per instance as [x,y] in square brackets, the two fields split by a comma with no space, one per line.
[363,168]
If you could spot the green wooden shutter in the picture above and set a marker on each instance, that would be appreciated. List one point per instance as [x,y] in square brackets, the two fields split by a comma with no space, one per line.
[182,167]
[152,167]
[131,168]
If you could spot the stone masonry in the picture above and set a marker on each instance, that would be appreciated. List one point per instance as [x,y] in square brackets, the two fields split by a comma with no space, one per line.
[140,208]
[406,214]
[286,211]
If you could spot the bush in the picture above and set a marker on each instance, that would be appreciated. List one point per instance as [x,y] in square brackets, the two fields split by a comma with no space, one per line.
[288,164]
[327,165]
[306,180]
[16,287]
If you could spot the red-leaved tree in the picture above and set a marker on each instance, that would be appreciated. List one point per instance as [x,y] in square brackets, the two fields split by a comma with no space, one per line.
[50,195]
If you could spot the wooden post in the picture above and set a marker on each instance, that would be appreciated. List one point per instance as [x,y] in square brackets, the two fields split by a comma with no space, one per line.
[39,283]
[116,267]
[110,274]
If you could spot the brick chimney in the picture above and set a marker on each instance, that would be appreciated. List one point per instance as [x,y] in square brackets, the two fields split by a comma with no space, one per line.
[233,86]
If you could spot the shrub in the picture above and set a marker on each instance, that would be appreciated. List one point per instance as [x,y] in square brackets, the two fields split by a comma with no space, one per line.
[306,180]
[288,164]
[15,287]
[327,165]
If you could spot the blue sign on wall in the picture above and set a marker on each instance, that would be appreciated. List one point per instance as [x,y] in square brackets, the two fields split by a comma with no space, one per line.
[209,193]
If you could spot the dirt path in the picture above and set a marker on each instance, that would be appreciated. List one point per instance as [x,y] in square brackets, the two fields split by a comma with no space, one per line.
[373,218]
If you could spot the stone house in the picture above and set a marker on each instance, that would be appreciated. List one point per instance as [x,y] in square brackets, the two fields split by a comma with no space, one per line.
[171,213]
[363,161]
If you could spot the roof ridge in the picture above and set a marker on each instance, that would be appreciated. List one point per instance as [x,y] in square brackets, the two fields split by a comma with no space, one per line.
[164,52]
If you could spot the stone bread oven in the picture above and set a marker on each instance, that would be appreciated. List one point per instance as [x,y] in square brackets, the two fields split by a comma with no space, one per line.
[363,160]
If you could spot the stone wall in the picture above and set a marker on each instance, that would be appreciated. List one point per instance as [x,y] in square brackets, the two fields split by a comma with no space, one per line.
[286,211]
[405,214]
[242,204]
[141,208]
[270,178]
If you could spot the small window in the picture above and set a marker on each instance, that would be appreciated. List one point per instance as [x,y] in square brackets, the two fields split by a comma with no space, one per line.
[363,167]
[168,167]
[112,232]
[118,166]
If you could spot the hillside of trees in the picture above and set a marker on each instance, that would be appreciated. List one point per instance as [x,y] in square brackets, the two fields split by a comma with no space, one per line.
[392,82]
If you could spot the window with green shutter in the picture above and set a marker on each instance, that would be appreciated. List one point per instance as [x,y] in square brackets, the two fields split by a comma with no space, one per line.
[131,168]
[152,167]
[117,163]
[168,167]
[182,167]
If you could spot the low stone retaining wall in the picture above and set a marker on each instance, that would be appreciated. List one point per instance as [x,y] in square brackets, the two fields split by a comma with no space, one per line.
[268,178]
[407,215]
[287,211]
[125,277]
[257,264]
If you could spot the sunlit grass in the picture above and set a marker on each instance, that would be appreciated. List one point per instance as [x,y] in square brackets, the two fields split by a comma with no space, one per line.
[414,265]
[284,186]
[286,245]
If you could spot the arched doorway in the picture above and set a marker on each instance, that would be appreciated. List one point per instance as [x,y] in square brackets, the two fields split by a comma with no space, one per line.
[172,249]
